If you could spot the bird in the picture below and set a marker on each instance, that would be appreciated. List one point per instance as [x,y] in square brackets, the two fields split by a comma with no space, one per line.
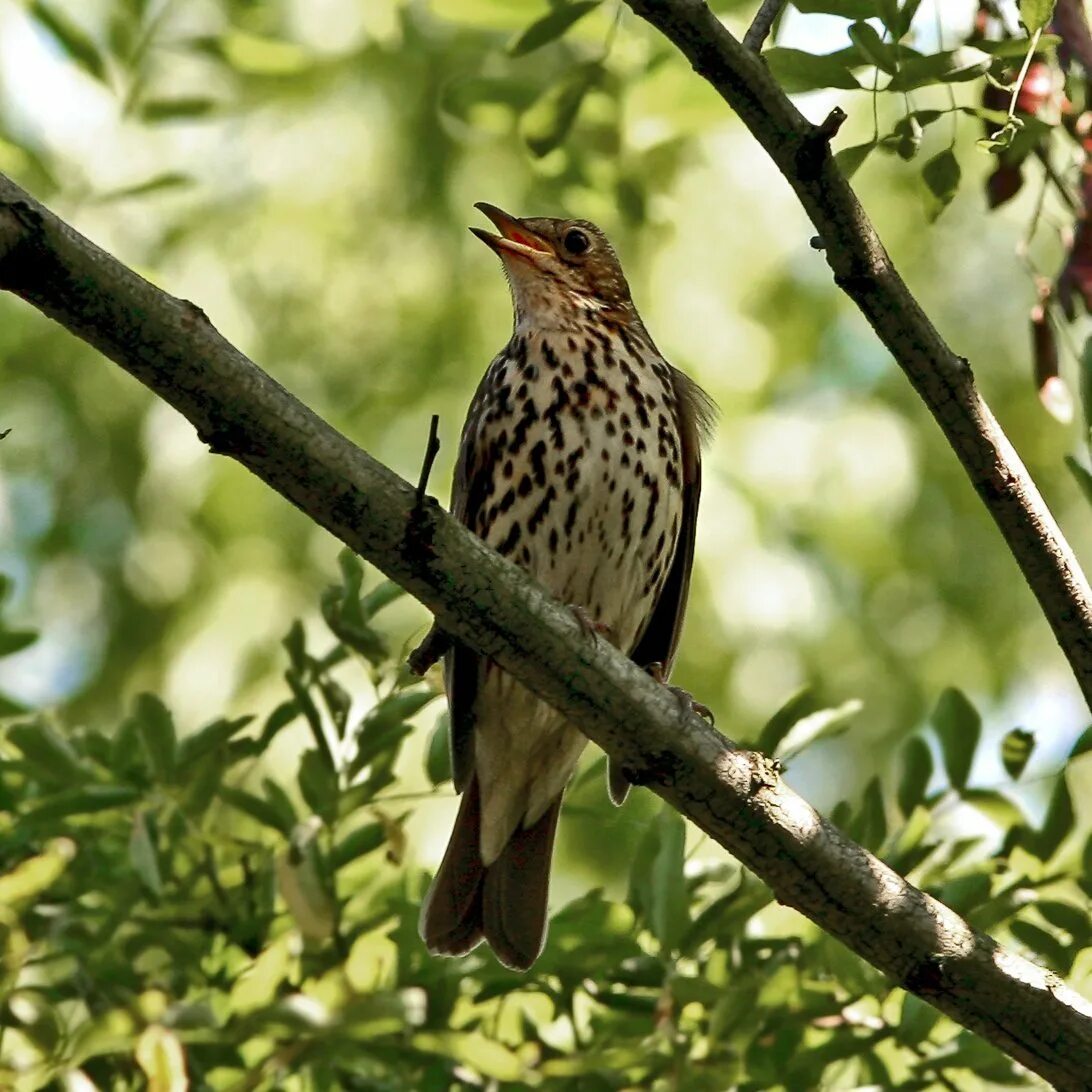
[580,461]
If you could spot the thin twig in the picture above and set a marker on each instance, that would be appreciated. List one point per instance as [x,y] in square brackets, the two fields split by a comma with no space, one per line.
[432,449]
[762,24]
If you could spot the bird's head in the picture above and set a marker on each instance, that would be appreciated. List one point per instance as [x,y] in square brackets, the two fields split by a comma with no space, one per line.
[561,271]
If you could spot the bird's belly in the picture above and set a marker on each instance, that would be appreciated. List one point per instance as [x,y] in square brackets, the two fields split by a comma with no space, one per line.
[600,532]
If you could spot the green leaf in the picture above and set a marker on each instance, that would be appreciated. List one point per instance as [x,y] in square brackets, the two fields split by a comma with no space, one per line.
[1047,947]
[382,595]
[53,758]
[797,71]
[142,853]
[258,809]
[281,802]
[81,50]
[824,724]
[31,877]
[357,843]
[951,66]
[850,159]
[438,756]
[870,824]
[1057,824]
[941,175]
[905,18]
[12,641]
[318,785]
[1081,476]
[795,707]
[157,735]
[917,771]
[1035,14]
[959,727]
[873,48]
[180,109]
[1082,745]
[209,738]
[550,117]
[94,798]
[551,26]
[1016,749]
[1070,919]
[169,180]
[657,885]
[280,718]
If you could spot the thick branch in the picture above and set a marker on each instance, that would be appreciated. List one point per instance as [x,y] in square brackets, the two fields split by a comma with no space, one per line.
[863,269]
[737,797]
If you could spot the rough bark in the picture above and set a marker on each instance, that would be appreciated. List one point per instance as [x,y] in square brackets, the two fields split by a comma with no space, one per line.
[737,797]
[863,269]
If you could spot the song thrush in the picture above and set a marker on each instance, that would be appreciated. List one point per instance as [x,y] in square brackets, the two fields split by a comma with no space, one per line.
[579,461]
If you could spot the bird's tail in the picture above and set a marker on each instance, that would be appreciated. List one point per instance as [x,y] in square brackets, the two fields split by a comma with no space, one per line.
[504,903]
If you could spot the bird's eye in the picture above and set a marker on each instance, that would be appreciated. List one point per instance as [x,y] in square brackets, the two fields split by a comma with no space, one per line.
[576,242]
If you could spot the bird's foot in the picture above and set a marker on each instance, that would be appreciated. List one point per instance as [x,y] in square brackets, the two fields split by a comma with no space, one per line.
[588,624]
[685,698]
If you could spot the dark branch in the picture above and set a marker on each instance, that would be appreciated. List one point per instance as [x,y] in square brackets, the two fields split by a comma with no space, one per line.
[737,797]
[762,24]
[863,269]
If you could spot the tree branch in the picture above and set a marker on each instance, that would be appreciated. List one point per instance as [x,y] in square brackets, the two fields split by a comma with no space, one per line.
[735,796]
[762,24]
[863,269]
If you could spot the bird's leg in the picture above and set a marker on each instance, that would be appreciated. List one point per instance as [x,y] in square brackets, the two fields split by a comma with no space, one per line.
[686,699]
[588,624]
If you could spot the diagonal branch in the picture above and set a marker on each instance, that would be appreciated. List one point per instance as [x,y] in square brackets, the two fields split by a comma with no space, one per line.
[737,797]
[863,269]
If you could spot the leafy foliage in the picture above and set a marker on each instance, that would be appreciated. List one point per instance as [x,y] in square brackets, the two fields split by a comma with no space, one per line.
[239,899]
[173,910]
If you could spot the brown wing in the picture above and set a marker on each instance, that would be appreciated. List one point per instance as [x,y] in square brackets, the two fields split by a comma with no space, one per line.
[660,639]
[462,666]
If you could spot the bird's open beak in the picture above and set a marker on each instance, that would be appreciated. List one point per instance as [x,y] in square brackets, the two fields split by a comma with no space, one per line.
[514,238]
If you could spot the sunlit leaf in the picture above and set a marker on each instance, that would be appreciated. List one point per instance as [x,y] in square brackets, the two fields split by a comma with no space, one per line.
[162,1059]
[1016,749]
[824,724]
[1035,14]
[32,876]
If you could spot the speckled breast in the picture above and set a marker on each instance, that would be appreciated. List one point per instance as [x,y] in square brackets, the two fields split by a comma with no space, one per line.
[580,434]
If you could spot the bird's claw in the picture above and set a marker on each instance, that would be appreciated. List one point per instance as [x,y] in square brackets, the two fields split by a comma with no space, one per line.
[685,698]
[588,624]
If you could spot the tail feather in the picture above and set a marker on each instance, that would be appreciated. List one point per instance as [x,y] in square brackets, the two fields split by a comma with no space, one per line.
[516,890]
[504,904]
[451,918]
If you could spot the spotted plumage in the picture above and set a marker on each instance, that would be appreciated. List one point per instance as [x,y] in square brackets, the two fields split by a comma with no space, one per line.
[580,462]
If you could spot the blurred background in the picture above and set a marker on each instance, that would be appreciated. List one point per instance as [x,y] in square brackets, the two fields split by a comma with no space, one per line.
[305,171]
